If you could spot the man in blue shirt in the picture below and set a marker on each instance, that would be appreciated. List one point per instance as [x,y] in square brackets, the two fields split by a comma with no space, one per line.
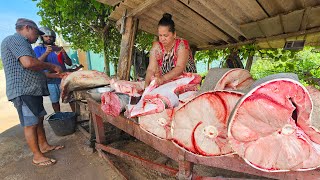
[49,52]
[26,84]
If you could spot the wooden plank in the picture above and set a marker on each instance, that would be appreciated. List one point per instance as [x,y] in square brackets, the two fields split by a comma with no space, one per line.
[257,40]
[195,19]
[126,50]
[313,39]
[271,26]
[305,18]
[278,43]
[191,39]
[180,24]
[252,30]
[250,8]
[291,21]
[314,20]
[275,7]
[131,4]
[263,45]
[306,3]
[121,174]
[118,12]
[143,7]
[139,160]
[216,18]
[227,9]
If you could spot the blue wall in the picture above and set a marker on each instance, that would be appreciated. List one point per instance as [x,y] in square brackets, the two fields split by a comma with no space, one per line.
[96,62]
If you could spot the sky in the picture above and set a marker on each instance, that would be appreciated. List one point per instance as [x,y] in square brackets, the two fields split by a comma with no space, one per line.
[11,10]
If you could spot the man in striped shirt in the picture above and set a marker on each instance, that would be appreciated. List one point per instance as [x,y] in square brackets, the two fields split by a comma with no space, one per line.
[26,84]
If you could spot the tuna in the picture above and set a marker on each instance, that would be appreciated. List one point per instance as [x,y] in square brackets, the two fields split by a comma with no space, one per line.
[156,99]
[270,127]
[113,103]
[200,125]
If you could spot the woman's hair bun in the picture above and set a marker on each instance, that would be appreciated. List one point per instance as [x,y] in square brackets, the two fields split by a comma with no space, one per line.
[167,16]
[166,20]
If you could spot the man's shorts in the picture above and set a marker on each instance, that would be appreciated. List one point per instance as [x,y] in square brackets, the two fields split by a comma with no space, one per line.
[54,90]
[29,108]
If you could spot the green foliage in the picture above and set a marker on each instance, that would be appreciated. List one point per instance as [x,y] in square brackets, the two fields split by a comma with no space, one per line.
[144,41]
[208,56]
[306,64]
[84,24]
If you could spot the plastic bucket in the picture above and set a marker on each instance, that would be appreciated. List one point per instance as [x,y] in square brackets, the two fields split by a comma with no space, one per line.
[63,123]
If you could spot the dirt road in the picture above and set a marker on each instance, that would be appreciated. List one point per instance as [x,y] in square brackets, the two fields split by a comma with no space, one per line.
[74,162]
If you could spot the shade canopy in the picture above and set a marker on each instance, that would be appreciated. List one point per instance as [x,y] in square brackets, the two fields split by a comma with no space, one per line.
[211,24]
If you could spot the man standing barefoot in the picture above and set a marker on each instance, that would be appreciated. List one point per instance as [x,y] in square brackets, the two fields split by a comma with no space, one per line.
[26,84]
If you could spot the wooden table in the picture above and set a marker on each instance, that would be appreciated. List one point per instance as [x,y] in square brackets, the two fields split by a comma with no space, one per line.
[185,159]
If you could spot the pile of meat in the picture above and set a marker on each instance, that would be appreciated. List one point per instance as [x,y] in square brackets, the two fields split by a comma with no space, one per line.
[273,128]
[80,80]
[272,123]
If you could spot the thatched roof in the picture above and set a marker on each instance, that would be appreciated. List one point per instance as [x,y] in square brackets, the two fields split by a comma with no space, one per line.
[210,24]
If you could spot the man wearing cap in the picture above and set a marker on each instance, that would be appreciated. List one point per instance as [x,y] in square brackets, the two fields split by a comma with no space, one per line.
[25,86]
[47,51]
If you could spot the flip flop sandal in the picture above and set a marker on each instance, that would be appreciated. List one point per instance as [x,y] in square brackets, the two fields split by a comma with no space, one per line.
[58,147]
[46,163]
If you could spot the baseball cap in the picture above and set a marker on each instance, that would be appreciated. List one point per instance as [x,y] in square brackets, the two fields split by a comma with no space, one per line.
[28,22]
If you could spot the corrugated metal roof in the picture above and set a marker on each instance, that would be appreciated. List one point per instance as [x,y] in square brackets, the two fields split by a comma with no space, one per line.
[209,24]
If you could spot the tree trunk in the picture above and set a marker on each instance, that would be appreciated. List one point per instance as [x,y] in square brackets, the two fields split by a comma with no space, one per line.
[233,60]
[249,63]
[105,53]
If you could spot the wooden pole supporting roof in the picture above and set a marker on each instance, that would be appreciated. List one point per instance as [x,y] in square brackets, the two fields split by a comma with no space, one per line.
[127,47]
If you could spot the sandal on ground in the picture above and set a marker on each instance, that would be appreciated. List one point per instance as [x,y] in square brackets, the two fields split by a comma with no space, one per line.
[46,163]
[58,147]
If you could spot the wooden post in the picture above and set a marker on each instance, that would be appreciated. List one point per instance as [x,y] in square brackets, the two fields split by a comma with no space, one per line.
[127,45]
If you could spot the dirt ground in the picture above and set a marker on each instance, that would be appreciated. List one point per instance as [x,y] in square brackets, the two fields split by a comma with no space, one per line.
[74,162]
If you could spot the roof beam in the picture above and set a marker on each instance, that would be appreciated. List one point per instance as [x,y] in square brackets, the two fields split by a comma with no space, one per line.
[222,15]
[305,18]
[196,20]
[143,7]
[210,16]
[257,40]
[294,21]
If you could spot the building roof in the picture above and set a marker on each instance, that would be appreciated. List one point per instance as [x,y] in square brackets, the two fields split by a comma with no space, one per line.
[210,24]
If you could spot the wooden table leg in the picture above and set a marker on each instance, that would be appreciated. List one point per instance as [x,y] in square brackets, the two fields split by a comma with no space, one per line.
[185,168]
[99,129]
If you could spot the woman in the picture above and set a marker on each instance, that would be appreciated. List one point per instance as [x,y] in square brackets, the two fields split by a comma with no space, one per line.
[170,56]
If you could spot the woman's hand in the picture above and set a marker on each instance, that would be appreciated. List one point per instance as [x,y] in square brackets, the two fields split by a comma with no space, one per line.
[159,80]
